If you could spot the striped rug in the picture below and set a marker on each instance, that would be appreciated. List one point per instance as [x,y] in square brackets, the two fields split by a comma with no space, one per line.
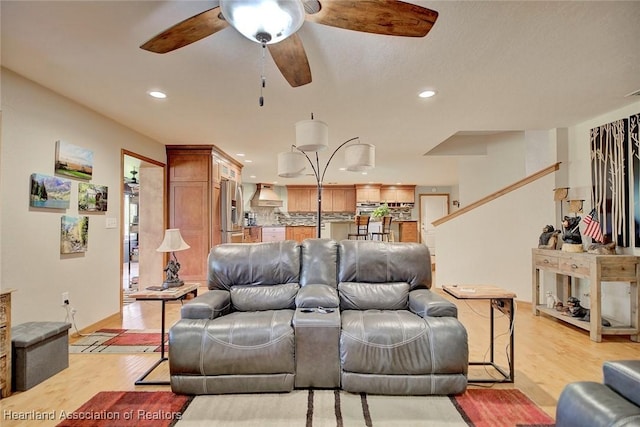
[312,408]
[121,341]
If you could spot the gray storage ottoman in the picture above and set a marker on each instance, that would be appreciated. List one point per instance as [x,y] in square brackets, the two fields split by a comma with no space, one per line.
[40,350]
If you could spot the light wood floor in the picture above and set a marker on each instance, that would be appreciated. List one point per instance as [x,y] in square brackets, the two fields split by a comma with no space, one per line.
[548,355]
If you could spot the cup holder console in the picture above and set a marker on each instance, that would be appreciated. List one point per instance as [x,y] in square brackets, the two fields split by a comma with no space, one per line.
[317,310]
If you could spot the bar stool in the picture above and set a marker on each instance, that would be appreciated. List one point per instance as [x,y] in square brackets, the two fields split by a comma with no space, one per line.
[385,231]
[362,228]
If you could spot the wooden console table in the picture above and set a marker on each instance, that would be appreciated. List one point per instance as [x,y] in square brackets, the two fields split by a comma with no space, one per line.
[5,342]
[596,269]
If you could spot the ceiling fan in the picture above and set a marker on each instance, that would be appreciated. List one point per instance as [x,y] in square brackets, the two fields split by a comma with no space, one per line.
[274,23]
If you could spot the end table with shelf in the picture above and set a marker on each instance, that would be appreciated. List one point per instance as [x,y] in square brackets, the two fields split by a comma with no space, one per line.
[170,294]
[501,300]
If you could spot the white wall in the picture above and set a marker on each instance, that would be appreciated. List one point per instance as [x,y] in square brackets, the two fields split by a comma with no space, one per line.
[491,245]
[503,165]
[30,260]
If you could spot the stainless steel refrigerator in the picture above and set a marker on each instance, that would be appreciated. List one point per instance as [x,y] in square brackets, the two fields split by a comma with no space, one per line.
[231,211]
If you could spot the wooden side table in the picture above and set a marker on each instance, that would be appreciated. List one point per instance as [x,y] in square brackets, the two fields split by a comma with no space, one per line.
[5,342]
[171,294]
[501,300]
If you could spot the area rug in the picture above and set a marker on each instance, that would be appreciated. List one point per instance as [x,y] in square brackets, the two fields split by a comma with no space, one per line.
[308,408]
[119,341]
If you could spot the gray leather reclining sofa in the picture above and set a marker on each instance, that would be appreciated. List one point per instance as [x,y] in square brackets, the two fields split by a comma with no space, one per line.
[356,315]
[616,402]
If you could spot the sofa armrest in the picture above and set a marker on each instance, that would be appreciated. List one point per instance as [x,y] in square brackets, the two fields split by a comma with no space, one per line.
[623,376]
[209,305]
[313,296]
[424,302]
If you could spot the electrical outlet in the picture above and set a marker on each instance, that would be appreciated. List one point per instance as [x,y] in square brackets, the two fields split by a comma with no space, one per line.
[65,298]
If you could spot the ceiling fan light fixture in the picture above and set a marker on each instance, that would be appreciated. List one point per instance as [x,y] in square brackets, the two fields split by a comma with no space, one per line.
[312,135]
[264,21]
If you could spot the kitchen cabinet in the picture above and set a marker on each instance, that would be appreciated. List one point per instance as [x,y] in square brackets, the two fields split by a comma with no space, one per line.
[302,198]
[194,203]
[400,194]
[339,199]
[300,232]
[273,234]
[368,193]
[252,234]
[408,231]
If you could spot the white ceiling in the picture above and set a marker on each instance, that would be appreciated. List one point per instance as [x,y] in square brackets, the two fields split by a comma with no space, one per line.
[497,66]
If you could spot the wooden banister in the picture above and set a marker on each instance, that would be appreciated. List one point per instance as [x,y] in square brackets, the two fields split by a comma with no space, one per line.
[524,181]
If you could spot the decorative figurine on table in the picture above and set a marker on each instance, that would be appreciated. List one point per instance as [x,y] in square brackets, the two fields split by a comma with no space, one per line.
[548,238]
[572,238]
[172,269]
[602,248]
[576,310]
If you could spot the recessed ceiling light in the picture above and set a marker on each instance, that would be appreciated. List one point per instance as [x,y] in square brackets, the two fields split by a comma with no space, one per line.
[157,94]
[252,176]
[240,154]
[275,182]
[427,93]
[343,169]
[364,173]
[248,161]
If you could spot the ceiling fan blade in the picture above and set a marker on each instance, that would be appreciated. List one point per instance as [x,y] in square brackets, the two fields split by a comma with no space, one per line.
[291,59]
[186,32]
[387,17]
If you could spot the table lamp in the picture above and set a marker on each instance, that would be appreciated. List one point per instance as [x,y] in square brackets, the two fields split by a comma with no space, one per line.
[172,242]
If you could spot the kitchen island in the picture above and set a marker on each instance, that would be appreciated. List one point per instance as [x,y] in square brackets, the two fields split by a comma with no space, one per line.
[402,230]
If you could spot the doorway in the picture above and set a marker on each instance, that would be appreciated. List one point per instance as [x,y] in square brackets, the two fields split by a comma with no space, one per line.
[432,207]
[143,222]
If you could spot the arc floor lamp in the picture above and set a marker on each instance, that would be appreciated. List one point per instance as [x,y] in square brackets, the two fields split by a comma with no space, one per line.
[312,136]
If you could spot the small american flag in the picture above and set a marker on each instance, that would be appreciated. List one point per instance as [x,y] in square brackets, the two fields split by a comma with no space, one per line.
[593,229]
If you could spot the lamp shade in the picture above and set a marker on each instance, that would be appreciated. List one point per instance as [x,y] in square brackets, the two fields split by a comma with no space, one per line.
[312,135]
[173,241]
[264,21]
[291,164]
[360,157]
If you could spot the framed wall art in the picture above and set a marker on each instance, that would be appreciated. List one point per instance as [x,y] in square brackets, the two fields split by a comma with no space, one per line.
[73,161]
[92,198]
[609,174]
[49,192]
[74,234]
[634,140]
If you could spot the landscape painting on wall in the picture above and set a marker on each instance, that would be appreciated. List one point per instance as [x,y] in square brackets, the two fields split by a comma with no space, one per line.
[49,192]
[74,234]
[92,198]
[73,161]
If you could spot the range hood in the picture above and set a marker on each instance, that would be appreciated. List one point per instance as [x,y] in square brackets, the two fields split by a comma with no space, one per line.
[265,197]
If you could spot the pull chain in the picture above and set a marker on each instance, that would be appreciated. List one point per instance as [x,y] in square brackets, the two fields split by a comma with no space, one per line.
[263,80]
